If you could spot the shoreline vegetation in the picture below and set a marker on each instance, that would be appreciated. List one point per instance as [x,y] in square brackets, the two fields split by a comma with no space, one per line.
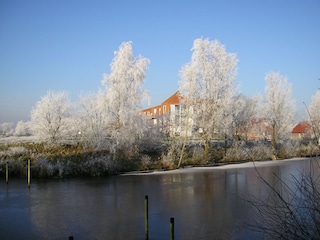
[72,160]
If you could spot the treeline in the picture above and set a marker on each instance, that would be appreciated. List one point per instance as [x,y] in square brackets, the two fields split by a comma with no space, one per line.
[103,133]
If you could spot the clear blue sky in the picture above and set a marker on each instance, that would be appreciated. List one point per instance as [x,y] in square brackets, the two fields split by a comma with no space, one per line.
[68,45]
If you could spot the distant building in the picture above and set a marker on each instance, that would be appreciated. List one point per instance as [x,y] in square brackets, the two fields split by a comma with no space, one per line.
[170,116]
[174,118]
[301,131]
[259,129]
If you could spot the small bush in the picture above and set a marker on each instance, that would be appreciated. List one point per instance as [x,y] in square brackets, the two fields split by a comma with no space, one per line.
[197,154]
[248,152]
[59,168]
[260,152]
[17,167]
[288,149]
[97,166]
[167,161]
[145,161]
[42,168]
[16,151]
[309,148]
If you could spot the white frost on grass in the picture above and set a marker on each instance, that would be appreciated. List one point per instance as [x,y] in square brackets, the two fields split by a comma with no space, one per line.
[18,139]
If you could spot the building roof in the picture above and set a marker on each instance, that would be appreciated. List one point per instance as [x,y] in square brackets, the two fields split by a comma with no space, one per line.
[301,127]
[173,99]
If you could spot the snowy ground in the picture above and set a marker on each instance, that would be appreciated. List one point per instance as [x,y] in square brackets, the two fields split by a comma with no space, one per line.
[227,166]
[16,139]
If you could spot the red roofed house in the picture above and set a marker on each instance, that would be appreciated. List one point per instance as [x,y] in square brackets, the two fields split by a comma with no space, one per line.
[301,130]
[259,129]
[168,115]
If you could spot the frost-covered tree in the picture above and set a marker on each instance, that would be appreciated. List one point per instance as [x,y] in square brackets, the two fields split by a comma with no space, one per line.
[124,94]
[314,114]
[278,107]
[22,129]
[242,112]
[49,115]
[186,86]
[7,129]
[93,119]
[208,84]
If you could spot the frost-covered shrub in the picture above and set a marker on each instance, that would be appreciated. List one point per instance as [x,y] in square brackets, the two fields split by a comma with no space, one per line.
[42,168]
[260,152]
[233,154]
[3,154]
[170,156]
[151,146]
[16,151]
[17,167]
[59,168]
[48,118]
[241,153]
[288,149]
[97,166]
[246,152]
[145,161]
[166,161]
[197,152]
[22,129]
[308,148]
[6,129]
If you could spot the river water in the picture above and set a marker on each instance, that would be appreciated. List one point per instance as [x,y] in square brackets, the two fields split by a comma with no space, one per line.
[206,203]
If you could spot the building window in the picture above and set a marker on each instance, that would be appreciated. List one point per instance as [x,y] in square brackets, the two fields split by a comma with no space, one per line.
[164,108]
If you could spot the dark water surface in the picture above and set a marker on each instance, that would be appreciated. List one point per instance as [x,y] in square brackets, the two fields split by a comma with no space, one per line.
[206,203]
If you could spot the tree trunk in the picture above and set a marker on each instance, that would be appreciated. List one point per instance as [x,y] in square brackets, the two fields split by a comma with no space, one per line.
[273,143]
[225,144]
[185,138]
[182,151]
[206,149]
[236,146]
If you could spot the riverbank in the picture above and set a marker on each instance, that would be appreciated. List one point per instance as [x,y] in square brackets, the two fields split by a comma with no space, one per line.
[74,160]
[253,164]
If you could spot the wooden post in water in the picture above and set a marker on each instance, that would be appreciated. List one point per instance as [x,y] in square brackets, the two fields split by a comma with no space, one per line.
[70,237]
[146,217]
[29,172]
[172,228]
[7,172]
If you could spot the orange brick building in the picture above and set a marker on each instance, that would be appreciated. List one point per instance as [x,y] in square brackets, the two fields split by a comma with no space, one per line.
[170,116]
[301,130]
[157,112]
